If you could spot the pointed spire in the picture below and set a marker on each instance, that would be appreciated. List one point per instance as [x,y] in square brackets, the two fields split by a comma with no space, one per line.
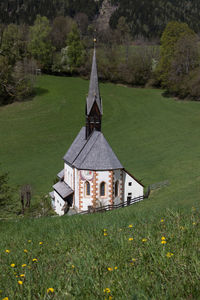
[93,94]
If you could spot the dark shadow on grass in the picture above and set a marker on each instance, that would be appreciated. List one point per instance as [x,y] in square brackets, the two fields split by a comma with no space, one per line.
[38,91]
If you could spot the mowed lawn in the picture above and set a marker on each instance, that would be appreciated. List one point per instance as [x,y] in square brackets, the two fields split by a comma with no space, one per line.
[155,138]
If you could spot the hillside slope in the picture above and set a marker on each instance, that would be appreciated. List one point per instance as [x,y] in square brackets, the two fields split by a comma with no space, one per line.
[155,138]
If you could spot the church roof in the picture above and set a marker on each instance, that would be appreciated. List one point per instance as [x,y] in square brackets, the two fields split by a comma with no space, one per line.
[92,154]
[94,94]
[62,189]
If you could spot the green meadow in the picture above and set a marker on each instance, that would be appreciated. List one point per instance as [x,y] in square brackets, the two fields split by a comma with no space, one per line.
[155,138]
[149,250]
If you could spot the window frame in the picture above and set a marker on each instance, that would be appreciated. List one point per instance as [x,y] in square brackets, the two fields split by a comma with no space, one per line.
[86,185]
[105,189]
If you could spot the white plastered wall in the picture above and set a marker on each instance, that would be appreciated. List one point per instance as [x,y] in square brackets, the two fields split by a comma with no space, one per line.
[134,190]
[117,177]
[68,175]
[59,203]
[76,188]
[103,176]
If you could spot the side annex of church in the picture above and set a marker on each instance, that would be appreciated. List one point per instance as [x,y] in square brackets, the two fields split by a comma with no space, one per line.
[92,175]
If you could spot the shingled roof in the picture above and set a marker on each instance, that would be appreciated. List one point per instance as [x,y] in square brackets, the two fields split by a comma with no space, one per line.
[92,154]
[63,189]
[94,94]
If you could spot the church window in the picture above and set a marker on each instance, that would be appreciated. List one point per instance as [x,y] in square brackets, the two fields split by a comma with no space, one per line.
[102,189]
[130,183]
[116,188]
[87,188]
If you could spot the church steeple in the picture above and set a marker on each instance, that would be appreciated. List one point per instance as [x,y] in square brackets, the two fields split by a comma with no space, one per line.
[94,109]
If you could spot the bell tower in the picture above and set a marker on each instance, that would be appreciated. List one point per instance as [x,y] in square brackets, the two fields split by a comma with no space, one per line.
[93,110]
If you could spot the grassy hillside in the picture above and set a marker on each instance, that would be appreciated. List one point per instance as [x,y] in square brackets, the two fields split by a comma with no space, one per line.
[129,253]
[147,251]
[155,138]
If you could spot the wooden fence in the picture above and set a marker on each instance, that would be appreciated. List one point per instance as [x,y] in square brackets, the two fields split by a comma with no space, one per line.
[112,206]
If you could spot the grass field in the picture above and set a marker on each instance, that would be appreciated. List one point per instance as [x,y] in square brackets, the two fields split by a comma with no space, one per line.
[155,138]
[147,251]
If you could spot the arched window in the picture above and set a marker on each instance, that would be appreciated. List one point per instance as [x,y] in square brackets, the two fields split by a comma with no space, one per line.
[116,188]
[87,188]
[102,189]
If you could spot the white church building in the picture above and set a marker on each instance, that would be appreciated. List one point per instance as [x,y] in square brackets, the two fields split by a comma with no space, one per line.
[92,175]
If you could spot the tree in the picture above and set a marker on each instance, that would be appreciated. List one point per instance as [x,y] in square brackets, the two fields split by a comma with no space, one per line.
[60,29]
[173,32]
[75,50]
[40,45]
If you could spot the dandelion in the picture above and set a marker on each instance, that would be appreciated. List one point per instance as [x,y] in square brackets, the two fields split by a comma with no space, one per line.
[73,266]
[40,243]
[7,251]
[163,238]
[182,228]
[193,223]
[110,269]
[163,242]
[105,230]
[6,298]
[110,298]
[22,275]
[29,241]
[116,268]
[169,254]
[24,265]
[20,282]
[25,251]
[50,290]
[133,259]
[12,265]
[130,239]
[107,290]
[34,260]
[130,226]
[162,220]
[105,234]
[144,240]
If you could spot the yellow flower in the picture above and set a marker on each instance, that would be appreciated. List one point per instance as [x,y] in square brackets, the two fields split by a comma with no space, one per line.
[193,223]
[182,228]
[105,230]
[34,260]
[22,275]
[133,259]
[7,251]
[130,226]
[107,290]
[116,268]
[169,254]
[163,238]
[24,265]
[162,220]
[163,242]
[130,239]
[110,269]
[40,243]
[25,251]
[12,265]
[6,298]
[144,240]
[29,241]
[120,229]
[105,233]
[110,298]
[50,290]
[73,266]
[20,282]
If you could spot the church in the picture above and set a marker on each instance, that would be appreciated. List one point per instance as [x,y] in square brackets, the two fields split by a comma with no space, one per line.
[92,176]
